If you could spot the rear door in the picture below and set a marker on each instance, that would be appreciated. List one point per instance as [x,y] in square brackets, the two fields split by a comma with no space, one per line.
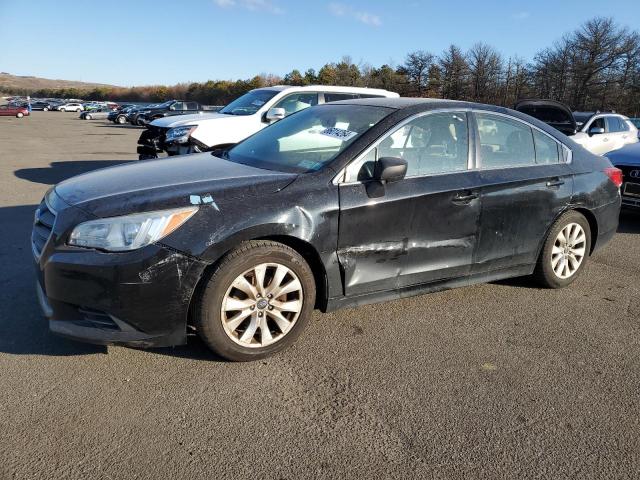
[618,131]
[525,185]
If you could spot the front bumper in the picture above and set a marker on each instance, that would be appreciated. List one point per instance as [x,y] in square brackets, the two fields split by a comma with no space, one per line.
[138,298]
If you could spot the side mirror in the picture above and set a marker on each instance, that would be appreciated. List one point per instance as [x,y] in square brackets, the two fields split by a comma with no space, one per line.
[596,131]
[275,114]
[390,169]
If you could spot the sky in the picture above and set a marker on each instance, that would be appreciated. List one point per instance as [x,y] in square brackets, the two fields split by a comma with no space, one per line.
[150,42]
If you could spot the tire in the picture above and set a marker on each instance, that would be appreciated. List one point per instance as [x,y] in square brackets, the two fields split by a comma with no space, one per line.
[237,335]
[87,117]
[45,109]
[19,115]
[560,263]
[121,120]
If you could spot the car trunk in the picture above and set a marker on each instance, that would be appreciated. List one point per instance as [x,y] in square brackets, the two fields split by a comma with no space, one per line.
[553,113]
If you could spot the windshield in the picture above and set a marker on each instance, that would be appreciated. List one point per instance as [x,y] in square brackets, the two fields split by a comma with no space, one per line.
[249,103]
[308,140]
[582,117]
[163,105]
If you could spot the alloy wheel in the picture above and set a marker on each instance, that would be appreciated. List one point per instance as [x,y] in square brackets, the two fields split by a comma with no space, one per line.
[262,305]
[568,251]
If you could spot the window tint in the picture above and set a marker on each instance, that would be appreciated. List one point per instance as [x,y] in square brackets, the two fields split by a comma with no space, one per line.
[177,106]
[617,124]
[335,97]
[298,101]
[546,148]
[367,95]
[597,123]
[437,143]
[506,143]
[192,106]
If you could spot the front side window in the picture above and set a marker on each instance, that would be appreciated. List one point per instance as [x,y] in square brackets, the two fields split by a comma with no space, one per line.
[296,102]
[192,106]
[546,148]
[431,144]
[177,106]
[249,103]
[309,140]
[508,143]
[597,123]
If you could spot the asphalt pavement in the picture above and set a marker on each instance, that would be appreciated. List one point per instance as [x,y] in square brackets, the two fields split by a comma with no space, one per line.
[499,381]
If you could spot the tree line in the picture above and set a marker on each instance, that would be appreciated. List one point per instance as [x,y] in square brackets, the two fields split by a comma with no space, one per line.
[595,67]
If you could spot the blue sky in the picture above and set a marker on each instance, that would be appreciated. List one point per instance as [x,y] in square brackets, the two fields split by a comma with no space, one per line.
[142,42]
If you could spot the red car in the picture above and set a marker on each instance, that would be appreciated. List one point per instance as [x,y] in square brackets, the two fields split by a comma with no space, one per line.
[10,111]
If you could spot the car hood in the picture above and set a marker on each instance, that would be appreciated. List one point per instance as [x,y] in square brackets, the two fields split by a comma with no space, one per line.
[629,155]
[167,183]
[191,119]
[554,114]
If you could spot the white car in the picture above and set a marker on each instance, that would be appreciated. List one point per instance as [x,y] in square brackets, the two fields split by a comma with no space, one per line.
[598,132]
[601,133]
[241,118]
[70,107]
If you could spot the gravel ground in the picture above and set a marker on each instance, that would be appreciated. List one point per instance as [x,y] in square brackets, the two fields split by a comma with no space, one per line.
[501,380]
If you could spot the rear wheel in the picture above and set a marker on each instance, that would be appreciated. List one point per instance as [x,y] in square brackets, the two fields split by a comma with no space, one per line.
[565,251]
[121,120]
[45,109]
[87,117]
[257,302]
[19,114]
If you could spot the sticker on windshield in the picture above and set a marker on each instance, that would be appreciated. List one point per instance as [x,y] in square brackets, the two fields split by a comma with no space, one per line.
[339,133]
[257,103]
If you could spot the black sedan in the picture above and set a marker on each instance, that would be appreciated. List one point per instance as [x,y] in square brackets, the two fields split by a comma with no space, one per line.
[627,159]
[337,205]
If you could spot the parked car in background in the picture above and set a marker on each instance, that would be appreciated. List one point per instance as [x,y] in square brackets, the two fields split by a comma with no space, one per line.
[601,133]
[13,111]
[627,159]
[338,205]
[96,113]
[241,118]
[119,115]
[166,109]
[44,106]
[70,107]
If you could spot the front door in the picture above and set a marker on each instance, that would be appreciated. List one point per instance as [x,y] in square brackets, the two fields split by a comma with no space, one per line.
[422,228]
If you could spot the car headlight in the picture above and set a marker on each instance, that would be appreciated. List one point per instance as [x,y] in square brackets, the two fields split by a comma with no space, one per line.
[129,232]
[180,134]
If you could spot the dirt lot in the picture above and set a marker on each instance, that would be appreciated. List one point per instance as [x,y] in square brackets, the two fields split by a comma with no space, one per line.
[496,381]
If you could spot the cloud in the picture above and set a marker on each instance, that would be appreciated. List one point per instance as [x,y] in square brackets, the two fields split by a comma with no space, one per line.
[521,15]
[251,5]
[342,10]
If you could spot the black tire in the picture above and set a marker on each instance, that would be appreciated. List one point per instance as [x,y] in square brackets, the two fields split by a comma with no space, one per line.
[45,109]
[87,117]
[19,115]
[207,312]
[544,273]
[121,120]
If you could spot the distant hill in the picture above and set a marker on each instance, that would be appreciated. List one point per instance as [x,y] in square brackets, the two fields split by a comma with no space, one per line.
[13,83]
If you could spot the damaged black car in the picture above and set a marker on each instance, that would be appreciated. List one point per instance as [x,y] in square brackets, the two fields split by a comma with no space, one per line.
[338,205]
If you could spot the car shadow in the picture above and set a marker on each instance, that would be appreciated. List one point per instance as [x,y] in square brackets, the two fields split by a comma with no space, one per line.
[117,125]
[629,221]
[59,171]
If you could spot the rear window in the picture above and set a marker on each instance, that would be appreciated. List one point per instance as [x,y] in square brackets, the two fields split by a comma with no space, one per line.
[546,148]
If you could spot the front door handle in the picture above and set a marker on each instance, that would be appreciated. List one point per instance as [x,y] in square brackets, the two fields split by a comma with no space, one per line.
[465,197]
[555,183]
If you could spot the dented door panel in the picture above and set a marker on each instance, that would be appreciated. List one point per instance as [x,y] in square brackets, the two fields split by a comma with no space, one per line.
[443,228]
[518,207]
[374,235]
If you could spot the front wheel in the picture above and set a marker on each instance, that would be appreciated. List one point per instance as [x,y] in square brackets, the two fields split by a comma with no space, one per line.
[87,117]
[20,115]
[121,120]
[565,251]
[257,302]
[45,109]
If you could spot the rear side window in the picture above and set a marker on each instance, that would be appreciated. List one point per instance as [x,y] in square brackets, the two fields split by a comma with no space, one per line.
[504,142]
[192,106]
[546,148]
[335,97]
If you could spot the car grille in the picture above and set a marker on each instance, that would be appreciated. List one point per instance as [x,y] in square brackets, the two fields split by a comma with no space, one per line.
[43,223]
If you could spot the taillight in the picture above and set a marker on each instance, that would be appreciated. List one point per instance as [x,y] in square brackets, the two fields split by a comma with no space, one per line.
[615,175]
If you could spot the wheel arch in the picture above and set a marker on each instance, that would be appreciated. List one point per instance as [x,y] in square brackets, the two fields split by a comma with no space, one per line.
[304,248]
[585,212]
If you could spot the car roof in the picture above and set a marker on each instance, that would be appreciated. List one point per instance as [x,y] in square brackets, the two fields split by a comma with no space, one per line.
[332,88]
[410,102]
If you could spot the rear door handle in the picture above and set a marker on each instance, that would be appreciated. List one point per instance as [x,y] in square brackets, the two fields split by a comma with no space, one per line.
[465,197]
[555,183]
